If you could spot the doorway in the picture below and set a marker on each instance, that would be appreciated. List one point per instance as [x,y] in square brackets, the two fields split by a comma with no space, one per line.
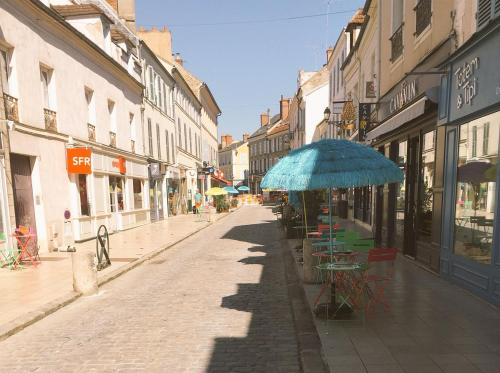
[411,197]
[156,200]
[23,191]
[116,203]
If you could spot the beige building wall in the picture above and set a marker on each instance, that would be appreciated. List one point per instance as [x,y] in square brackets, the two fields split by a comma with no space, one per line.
[415,48]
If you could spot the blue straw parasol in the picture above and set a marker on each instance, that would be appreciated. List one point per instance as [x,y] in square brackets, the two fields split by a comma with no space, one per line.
[332,164]
[328,164]
[231,190]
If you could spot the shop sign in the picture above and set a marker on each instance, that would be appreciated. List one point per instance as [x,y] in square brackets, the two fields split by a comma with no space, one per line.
[79,160]
[466,82]
[348,112]
[364,120]
[154,170]
[406,94]
[120,164]
[370,89]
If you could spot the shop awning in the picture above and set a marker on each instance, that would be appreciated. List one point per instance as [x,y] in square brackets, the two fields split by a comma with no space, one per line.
[220,180]
[413,111]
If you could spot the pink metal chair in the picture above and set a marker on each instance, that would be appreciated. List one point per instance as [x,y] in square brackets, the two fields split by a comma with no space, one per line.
[379,273]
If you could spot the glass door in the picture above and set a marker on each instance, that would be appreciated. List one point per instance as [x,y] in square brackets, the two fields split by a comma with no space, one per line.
[115,200]
[411,197]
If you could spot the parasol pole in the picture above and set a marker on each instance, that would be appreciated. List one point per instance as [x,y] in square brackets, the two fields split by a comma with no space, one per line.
[305,214]
[330,220]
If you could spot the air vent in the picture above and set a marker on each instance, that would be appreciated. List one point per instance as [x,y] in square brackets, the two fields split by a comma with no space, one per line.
[483,12]
[497,7]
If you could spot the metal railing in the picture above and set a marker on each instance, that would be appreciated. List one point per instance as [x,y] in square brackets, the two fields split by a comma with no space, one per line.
[91,131]
[397,43]
[11,108]
[50,117]
[423,13]
[112,139]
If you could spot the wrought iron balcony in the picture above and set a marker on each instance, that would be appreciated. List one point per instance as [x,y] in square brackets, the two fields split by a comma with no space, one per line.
[11,109]
[397,43]
[423,13]
[50,120]
[112,139]
[91,131]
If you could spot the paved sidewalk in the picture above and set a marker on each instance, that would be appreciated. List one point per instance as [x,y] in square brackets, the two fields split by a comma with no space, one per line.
[29,291]
[433,326]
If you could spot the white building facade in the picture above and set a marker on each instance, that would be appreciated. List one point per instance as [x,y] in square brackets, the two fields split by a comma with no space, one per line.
[159,133]
[74,78]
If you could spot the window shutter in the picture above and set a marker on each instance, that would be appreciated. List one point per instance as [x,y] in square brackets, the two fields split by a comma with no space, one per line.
[486,12]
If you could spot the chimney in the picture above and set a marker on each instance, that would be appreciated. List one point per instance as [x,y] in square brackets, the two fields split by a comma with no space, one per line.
[178,59]
[125,10]
[160,41]
[226,140]
[245,137]
[284,106]
[329,53]
[264,119]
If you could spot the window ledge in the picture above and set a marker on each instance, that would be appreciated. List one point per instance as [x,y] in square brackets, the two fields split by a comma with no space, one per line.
[396,63]
[423,35]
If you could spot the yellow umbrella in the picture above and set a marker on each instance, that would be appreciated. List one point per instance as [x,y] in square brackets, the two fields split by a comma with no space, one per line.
[215,191]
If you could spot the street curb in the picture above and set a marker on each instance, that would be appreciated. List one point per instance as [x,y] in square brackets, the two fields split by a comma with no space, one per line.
[309,343]
[22,322]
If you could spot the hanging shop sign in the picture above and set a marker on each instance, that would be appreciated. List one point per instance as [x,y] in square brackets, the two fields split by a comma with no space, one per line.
[348,112]
[120,164]
[79,160]
[364,120]
[370,90]
[154,170]
[406,93]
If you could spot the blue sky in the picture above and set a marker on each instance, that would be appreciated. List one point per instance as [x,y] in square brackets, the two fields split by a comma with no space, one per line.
[248,66]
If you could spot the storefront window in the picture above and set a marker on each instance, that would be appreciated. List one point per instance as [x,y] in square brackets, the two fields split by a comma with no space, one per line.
[426,184]
[173,196]
[116,194]
[138,184]
[401,189]
[82,190]
[476,188]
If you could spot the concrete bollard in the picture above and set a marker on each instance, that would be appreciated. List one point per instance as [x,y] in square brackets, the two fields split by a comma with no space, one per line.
[84,272]
[311,275]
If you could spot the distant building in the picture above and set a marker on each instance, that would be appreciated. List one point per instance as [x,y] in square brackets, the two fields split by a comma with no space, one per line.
[233,160]
[308,106]
[268,144]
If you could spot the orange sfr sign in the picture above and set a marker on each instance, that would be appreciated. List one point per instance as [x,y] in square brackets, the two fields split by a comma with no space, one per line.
[79,160]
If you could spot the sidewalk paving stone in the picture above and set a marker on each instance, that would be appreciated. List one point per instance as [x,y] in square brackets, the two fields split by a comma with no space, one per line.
[432,326]
[30,293]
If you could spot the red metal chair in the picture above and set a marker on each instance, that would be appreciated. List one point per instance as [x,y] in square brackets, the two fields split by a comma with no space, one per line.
[379,273]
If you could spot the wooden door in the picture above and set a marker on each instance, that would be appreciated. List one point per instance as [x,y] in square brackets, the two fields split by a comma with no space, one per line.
[23,191]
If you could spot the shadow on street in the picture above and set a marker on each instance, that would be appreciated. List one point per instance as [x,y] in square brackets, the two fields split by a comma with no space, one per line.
[270,344]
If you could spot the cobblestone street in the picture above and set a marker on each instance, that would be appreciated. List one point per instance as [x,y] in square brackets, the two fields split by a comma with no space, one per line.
[216,302]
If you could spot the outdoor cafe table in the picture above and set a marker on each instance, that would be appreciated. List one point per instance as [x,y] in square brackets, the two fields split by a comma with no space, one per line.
[332,308]
[328,244]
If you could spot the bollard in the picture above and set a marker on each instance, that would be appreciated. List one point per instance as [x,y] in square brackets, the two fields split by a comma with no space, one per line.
[84,272]
[311,275]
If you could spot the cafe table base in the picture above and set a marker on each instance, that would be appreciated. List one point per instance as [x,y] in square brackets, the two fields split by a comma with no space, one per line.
[333,309]
[334,312]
